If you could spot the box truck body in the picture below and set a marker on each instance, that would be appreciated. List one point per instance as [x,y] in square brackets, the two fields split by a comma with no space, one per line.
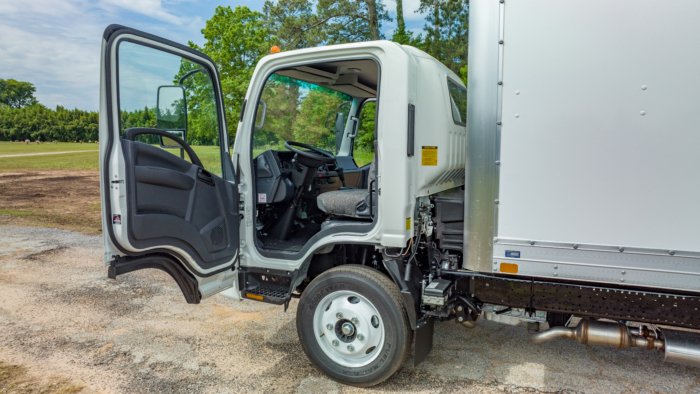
[582,141]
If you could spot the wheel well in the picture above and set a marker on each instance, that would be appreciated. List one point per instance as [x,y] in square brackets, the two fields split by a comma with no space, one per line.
[368,256]
[329,256]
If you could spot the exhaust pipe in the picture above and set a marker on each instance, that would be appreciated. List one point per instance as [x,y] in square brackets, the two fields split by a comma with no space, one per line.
[678,346]
[681,347]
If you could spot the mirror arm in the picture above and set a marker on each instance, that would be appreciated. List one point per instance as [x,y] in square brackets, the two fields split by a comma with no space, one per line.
[189,74]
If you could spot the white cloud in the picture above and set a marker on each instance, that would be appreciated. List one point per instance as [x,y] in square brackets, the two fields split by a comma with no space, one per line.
[61,59]
[150,8]
[55,44]
[409,8]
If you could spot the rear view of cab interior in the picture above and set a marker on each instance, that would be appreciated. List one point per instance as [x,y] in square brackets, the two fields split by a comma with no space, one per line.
[313,154]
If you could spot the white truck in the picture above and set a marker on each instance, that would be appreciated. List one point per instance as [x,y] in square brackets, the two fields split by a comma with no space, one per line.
[366,182]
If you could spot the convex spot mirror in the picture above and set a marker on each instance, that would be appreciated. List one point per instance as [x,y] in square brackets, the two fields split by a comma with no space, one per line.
[171,114]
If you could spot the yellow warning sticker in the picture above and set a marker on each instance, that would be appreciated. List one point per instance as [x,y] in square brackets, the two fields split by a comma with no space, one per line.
[429,156]
[408,223]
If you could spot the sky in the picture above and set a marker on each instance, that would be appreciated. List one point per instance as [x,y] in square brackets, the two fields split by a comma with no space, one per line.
[55,44]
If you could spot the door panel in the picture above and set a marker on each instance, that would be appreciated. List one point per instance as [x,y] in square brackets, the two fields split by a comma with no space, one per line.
[178,203]
[167,204]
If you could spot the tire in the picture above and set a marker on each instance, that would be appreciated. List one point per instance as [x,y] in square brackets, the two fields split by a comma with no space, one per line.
[375,302]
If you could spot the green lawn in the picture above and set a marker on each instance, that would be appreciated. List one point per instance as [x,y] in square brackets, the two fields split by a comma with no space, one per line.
[16,148]
[209,155]
[80,161]
[363,157]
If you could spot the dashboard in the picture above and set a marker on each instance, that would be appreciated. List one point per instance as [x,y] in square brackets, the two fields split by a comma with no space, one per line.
[277,177]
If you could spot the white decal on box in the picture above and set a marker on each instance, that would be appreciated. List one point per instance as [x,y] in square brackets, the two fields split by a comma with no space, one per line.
[262,197]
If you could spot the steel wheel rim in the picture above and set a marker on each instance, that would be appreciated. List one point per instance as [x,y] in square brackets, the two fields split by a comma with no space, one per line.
[341,310]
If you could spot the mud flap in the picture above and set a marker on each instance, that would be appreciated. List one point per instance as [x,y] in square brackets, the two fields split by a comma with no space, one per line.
[409,291]
[423,341]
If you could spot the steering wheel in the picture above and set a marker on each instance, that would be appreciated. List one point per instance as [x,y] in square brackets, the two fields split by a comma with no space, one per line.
[313,157]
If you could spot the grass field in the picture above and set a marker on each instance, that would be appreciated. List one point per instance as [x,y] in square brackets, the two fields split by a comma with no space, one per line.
[88,160]
[17,148]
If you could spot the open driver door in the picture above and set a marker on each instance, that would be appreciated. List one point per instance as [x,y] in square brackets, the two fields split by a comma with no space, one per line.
[166,204]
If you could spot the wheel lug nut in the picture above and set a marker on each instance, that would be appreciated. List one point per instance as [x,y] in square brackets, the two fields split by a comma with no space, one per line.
[329,326]
[335,342]
[354,320]
[351,348]
[360,336]
[339,315]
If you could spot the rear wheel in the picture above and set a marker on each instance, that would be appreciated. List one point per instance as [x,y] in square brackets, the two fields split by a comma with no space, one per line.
[353,325]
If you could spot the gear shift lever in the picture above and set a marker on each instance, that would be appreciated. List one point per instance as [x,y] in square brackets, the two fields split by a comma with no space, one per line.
[341,175]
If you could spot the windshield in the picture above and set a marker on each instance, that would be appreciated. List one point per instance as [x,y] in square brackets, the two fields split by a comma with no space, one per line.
[299,111]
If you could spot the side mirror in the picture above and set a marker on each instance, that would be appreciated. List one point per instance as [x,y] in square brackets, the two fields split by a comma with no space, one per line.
[171,114]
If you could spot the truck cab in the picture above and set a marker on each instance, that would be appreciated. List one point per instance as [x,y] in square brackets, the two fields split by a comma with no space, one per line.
[326,194]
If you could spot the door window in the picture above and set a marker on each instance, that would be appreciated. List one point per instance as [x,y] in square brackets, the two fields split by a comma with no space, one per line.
[363,146]
[164,91]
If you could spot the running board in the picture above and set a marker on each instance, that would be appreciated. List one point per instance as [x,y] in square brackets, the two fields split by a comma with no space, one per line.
[266,285]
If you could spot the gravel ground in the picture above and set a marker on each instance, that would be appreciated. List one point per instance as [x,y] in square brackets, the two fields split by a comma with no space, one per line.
[60,316]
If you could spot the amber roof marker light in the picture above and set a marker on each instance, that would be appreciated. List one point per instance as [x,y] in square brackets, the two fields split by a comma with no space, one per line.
[275,49]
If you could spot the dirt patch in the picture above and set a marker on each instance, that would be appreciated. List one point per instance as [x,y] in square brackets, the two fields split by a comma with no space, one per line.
[65,199]
[16,379]
[60,317]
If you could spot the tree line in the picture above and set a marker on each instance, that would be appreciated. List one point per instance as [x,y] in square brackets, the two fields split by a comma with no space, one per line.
[39,123]
[236,39]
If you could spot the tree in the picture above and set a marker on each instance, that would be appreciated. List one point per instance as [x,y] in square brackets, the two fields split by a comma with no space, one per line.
[447,25]
[236,41]
[353,20]
[401,35]
[17,94]
[36,122]
[296,24]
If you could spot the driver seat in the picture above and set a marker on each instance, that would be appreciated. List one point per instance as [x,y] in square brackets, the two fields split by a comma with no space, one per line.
[354,203]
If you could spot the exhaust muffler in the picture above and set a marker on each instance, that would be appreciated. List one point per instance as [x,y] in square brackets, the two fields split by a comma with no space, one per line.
[679,347]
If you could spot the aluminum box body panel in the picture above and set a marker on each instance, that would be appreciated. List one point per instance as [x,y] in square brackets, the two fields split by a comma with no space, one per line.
[603,264]
[482,134]
[599,137]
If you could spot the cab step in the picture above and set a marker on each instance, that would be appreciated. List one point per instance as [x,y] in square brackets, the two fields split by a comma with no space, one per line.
[266,285]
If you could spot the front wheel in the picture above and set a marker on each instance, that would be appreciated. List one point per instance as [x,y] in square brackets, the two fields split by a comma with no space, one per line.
[353,325]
